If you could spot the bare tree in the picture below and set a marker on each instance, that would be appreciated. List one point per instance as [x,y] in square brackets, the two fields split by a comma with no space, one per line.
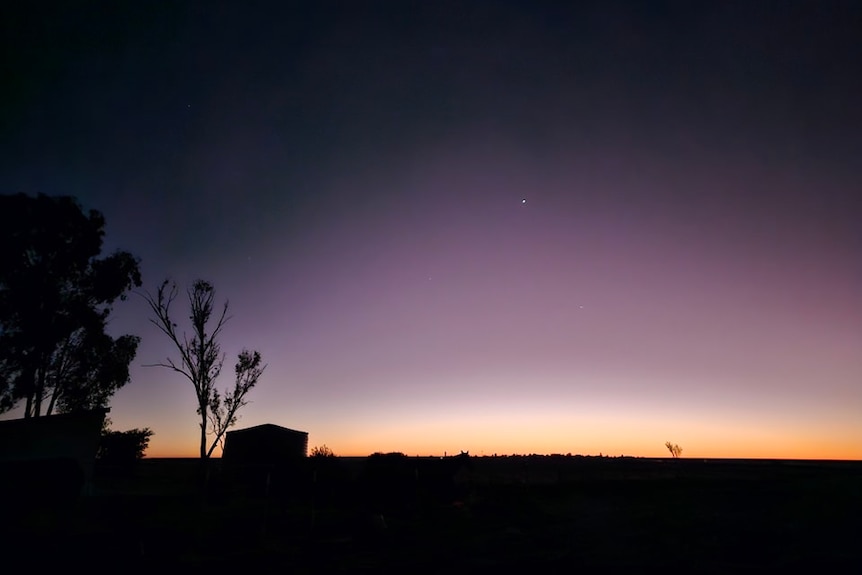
[201,359]
[675,450]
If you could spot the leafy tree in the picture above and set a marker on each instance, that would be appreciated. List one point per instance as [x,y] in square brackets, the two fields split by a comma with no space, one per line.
[56,295]
[675,450]
[124,447]
[201,359]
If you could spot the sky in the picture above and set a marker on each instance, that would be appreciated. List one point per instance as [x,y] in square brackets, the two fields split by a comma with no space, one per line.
[498,227]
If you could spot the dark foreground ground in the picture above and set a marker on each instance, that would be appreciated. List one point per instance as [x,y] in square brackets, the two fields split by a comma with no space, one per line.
[535,515]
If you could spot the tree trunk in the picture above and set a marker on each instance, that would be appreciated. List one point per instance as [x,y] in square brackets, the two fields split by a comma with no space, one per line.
[203,435]
[29,385]
[213,446]
[54,394]
[38,392]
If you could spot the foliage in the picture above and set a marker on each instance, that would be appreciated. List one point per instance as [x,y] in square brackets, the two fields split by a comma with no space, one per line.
[321,451]
[222,410]
[124,446]
[55,299]
[201,359]
[675,450]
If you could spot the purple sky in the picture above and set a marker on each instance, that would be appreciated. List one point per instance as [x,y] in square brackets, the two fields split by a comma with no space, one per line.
[686,265]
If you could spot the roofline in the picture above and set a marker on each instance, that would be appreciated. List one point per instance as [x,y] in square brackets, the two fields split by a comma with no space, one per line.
[267,426]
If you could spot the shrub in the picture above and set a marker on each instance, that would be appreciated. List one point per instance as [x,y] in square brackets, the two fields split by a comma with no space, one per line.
[321,451]
[124,446]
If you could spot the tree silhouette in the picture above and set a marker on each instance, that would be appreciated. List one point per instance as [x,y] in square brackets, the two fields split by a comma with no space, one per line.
[55,298]
[321,451]
[675,450]
[201,359]
[124,447]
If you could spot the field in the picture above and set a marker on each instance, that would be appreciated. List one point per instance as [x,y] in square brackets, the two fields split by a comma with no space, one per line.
[553,514]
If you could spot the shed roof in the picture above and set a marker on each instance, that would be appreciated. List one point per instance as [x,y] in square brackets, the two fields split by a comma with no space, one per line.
[268,428]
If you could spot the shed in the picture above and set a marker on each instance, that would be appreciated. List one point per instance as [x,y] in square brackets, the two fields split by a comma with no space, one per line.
[50,455]
[266,444]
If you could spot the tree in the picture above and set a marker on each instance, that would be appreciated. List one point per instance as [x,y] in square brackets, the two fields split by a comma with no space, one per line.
[56,295]
[321,451]
[124,447]
[201,359]
[675,450]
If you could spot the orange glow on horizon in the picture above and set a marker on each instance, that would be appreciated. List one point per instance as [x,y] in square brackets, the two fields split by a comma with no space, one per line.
[813,448]
[526,424]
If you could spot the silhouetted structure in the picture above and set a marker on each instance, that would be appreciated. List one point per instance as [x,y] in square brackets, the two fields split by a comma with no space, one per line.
[265,459]
[51,457]
[266,444]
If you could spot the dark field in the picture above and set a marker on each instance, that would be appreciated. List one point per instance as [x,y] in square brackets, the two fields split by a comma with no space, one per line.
[414,515]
